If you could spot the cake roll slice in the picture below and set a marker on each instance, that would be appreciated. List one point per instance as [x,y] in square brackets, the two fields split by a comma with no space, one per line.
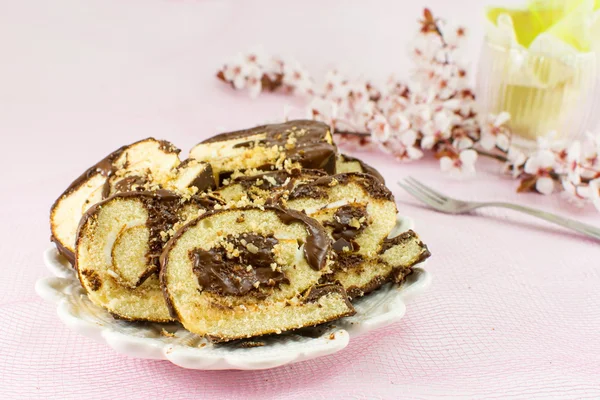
[146,165]
[359,213]
[239,273]
[344,163]
[126,168]
[303,143]
[119,242]
[267,186]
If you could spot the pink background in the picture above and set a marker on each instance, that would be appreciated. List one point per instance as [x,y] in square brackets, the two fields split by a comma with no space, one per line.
[514,308]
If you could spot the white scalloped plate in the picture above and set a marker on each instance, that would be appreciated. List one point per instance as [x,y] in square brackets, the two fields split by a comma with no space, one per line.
[171,342]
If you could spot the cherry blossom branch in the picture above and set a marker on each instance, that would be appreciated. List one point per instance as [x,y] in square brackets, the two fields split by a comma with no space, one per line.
[498,157]
[434,111]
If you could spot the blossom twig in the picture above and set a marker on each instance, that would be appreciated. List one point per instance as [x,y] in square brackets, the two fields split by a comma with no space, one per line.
[434,112]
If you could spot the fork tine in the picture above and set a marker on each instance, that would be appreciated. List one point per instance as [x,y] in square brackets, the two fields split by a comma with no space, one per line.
[424,192]
[427,188]
[419,196]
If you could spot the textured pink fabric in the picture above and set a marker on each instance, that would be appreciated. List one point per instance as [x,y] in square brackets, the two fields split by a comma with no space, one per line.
[514,308]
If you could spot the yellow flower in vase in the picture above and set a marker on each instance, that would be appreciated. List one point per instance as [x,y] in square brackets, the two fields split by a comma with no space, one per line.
[539,66]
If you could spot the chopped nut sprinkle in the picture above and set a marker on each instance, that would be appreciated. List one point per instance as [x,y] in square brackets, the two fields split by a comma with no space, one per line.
[252,248]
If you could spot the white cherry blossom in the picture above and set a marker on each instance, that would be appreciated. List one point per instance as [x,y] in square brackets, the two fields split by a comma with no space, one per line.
[462,166]
[236,74]
[363,114]
[402,147]
[257,57]
[540,165]
[399,122]
[438,130]
[558,146]
[573,167]
[446,82]
[324,111]
[495,133]
[454,35]
[590,156]
[334,86]
[275,65]
[516,159]
[358,94]
[297,77]
[575,194]
[462,142]
[253,81]
[427,47]
[421,116]
[379,128]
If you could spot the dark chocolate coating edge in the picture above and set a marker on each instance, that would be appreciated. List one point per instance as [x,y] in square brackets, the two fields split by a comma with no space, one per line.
[63,251]
[327,164]
[367,169]
[379,281]
[246,132]
[316,292]
[368,182]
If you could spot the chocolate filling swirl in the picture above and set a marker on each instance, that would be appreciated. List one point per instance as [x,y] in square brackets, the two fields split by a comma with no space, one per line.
[238,266]
[348,221]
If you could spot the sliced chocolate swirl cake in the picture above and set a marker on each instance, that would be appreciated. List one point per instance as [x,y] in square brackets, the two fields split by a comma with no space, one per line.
[118,246]
[302,143]
[238,273]
[359,213]
[256,233]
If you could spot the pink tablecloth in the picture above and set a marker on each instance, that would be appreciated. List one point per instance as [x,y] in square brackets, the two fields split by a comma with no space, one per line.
[514,308]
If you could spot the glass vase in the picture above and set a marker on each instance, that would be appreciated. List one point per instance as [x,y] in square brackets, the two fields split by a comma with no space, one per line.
[542,93]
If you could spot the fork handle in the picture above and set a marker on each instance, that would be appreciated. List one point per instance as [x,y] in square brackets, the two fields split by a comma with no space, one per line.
[562,221]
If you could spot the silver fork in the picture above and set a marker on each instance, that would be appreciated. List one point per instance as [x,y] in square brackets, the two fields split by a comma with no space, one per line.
[448,205]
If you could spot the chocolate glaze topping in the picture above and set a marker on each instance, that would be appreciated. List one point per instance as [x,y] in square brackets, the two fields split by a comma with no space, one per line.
[308,190]
[316,189]
[263,181]
[167,147]
[250,265]
[304,141]
[127,184]
[276,184]
[344,226]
